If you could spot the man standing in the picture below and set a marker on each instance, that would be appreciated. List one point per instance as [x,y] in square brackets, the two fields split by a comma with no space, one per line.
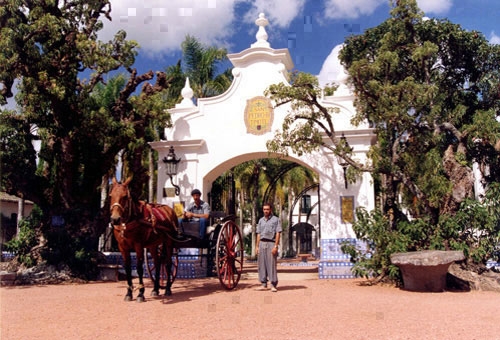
[197,210]
[268,239]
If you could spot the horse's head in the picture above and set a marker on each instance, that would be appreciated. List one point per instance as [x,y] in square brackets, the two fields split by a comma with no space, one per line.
[120,204]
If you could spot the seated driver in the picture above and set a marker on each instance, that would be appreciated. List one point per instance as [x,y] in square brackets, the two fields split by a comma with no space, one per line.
[197,210]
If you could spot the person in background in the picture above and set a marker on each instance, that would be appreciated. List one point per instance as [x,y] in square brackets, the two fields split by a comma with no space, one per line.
[268,239]
[197,210]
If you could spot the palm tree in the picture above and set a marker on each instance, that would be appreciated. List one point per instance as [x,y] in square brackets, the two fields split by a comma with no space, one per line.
[201,66]
[246,176]
[178,77]
[253,181]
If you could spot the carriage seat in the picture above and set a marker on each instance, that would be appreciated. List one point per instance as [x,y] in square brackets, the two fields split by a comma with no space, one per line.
[215,218]
[192,228]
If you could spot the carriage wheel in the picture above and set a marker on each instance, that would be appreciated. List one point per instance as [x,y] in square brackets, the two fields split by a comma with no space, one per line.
[150,266]
[229,255]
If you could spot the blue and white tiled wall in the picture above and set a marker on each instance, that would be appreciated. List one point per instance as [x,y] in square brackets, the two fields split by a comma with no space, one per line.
[191,265]
[334,264]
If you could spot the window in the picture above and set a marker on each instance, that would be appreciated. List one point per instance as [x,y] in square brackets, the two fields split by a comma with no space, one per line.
[305,207]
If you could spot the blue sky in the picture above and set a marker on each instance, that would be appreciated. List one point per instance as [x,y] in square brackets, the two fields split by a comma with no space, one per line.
[310,29]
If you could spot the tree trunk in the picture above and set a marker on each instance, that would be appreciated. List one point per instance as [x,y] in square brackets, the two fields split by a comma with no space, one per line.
[290,232]
[462,178]
[20,213]
[151,176]
[254,230]
[255,208]
[241,209]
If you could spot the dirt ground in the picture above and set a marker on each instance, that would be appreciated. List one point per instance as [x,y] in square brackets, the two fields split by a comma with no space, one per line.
[303,308]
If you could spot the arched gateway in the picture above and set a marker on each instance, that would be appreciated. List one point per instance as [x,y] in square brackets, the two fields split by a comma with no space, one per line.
[221,132]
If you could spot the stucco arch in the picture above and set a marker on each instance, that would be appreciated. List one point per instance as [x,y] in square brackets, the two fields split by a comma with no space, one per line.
[221,132]
[234,161]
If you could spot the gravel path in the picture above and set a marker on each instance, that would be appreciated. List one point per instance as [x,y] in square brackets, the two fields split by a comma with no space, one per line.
[303,308]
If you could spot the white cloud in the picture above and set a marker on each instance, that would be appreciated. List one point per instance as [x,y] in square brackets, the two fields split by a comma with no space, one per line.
[350,9]
[331,70]
[161,26]
[435,6]
[494,39]
[278,12]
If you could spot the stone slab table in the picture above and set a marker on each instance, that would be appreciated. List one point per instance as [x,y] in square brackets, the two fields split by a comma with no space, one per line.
[425,271]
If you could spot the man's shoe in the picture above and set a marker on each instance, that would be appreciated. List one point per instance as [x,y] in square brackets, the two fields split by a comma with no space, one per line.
[274,289]
[261,288]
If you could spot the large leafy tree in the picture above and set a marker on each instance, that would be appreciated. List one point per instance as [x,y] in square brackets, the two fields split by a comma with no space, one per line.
[52,48]
[431,91]
[308,125]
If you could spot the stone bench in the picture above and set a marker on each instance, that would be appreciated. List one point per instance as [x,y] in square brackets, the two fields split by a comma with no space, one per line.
[425,271]
[7,278]
[305,257]
[108,272]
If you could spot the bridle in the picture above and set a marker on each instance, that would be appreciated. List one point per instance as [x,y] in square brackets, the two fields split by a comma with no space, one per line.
[124,211]
[119,206]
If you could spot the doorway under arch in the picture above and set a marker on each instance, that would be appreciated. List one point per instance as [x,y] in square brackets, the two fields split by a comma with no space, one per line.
[306,238]
[309,205]
[247,205]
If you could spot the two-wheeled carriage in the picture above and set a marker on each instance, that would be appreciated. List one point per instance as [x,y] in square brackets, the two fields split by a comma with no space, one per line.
[139,225]
[222,246]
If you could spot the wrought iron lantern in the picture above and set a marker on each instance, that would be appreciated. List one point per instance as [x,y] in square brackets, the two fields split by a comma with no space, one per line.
[171,163]
[342,162]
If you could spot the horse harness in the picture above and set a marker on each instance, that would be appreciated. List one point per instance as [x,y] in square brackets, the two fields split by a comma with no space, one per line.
[150,216]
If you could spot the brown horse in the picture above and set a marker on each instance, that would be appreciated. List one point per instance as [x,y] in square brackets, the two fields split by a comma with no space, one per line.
[138,225]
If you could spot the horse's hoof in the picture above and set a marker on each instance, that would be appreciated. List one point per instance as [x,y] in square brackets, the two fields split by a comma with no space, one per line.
[168,293]
[128,298]
[154,293]
[140,299]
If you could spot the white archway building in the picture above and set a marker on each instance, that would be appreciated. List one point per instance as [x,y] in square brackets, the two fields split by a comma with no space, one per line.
[221,132]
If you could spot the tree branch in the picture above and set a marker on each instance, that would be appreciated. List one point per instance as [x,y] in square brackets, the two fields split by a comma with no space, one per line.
[449,127]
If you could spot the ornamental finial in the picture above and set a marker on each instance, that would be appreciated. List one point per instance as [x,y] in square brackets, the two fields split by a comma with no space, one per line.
[187,95]
[261,35]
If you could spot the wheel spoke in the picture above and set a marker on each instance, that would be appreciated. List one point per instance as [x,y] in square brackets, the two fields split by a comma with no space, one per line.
[229,255]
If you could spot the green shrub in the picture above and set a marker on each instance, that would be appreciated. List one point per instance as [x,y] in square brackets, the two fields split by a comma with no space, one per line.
[67,246]
[26,239]
[374,261]
[474,229]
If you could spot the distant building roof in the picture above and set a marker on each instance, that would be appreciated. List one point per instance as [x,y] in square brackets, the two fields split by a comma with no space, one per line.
[5,197]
